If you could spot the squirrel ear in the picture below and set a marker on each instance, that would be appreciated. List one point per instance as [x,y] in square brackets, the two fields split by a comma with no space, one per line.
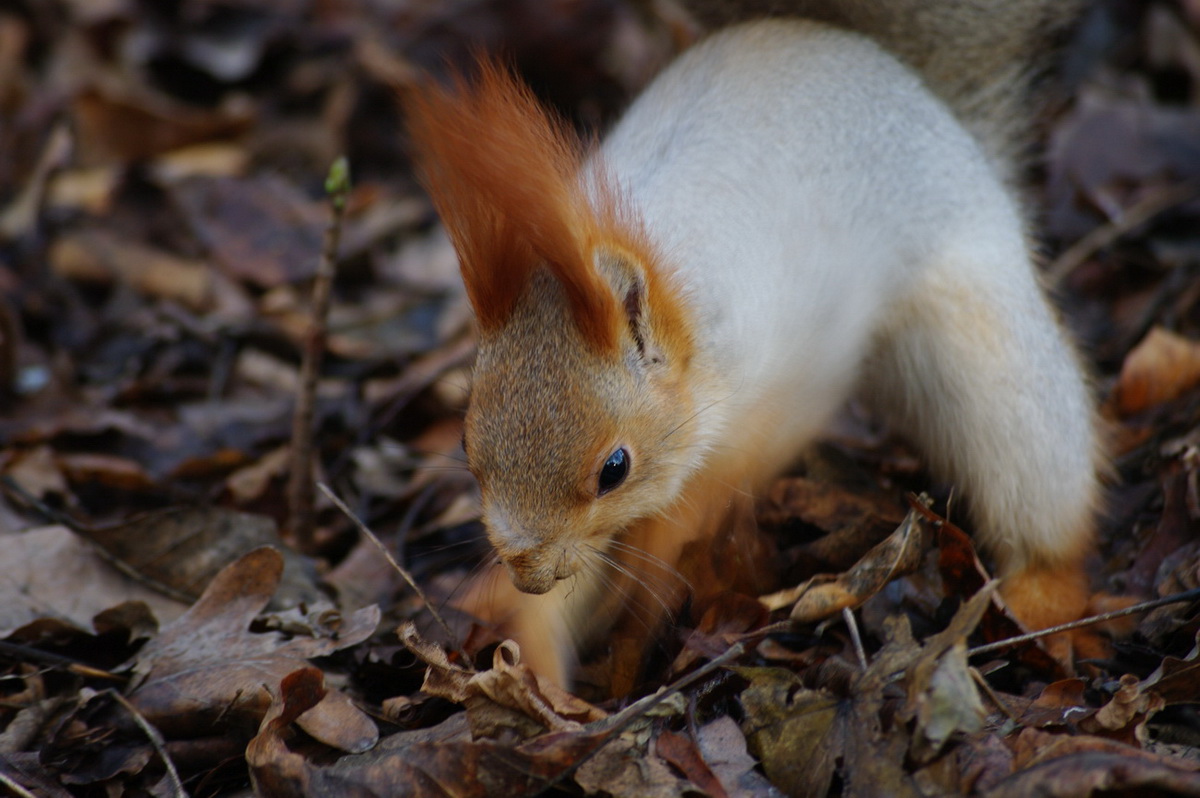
[627,278]
[504,176]
[649,298]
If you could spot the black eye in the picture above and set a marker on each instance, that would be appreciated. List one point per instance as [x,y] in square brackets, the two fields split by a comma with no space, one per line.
[614,471]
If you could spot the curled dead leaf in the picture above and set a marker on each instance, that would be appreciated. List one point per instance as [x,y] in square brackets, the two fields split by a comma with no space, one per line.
[823,596]
[1162,367]
[507,697]
[1124,716]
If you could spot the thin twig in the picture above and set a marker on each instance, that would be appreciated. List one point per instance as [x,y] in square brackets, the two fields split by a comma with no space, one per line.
[301,514]
[17,789]
[1187,595]
[22,217]
[852,625]
[11,336]
[362,527]
[992,695]
[156,740]
[640,707]
[613,725]
[1132,217]
[22,653]
[90,535]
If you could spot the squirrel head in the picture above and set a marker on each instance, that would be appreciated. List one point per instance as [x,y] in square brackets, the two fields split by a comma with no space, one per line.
[578,421]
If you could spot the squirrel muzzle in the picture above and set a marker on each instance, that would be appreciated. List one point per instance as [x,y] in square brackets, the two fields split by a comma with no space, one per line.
[539,569]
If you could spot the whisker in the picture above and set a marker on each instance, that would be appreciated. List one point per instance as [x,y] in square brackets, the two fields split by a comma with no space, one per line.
[455,456]
[693,417]
[741,491]
[446,468]
[653,560]
[477,573]
[444,547]
[652,586]
[704,409]
[646,618]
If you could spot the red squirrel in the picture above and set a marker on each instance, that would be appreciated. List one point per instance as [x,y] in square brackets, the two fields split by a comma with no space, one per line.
[792,212]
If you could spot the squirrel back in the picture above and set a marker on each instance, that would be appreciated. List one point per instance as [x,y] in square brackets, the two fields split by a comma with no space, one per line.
[983,58]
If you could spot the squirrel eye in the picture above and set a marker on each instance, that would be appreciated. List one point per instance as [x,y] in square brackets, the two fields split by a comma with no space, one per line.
[614,471]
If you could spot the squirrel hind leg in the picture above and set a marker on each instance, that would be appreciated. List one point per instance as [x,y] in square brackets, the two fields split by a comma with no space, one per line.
[974,368]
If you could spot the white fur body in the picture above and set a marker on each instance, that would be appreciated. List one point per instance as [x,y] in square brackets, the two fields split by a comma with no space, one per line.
[832,226]
[816,222]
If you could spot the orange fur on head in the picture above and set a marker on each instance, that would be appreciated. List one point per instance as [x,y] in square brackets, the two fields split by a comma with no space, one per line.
[504,177]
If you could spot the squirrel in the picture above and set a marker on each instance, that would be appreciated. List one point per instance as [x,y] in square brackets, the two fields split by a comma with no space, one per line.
[795,211]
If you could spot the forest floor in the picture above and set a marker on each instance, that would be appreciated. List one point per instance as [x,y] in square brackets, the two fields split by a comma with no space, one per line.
[170,620]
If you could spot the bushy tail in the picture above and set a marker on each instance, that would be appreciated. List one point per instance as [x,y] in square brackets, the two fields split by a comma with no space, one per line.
[983,57]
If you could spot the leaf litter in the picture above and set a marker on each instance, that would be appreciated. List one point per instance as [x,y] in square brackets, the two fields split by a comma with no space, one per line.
[160,225]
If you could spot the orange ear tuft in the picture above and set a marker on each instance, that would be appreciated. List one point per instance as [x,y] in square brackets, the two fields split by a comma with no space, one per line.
[504,177]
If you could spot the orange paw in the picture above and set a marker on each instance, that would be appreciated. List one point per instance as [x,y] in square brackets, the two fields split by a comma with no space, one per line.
[1049,596]
[1041,597]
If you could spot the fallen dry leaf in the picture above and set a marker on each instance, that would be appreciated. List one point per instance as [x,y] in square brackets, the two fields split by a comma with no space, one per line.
[1056,703]
[181,549]
[1125,715]
[119,473]
[1177,680]
[507,697]
[1090,763]
[437,761]
[624,769]
[260,230]
[144,124]
[274,769]
[874,761]
[1174,531]
[724,621]
[805,736]
[964,575]
[983,761]
[1164,366]
[942,694]
[84,189]
[798,734]
[101,758]
[1087,774]
[97,255]
[824,596]
[682,753]
[723,747]
[51,573]
[829,506]
[207,669]
[852,522]
[38,472]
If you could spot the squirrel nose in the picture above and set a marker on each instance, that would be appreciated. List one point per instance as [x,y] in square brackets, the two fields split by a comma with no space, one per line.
[530,579]
[540,570]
